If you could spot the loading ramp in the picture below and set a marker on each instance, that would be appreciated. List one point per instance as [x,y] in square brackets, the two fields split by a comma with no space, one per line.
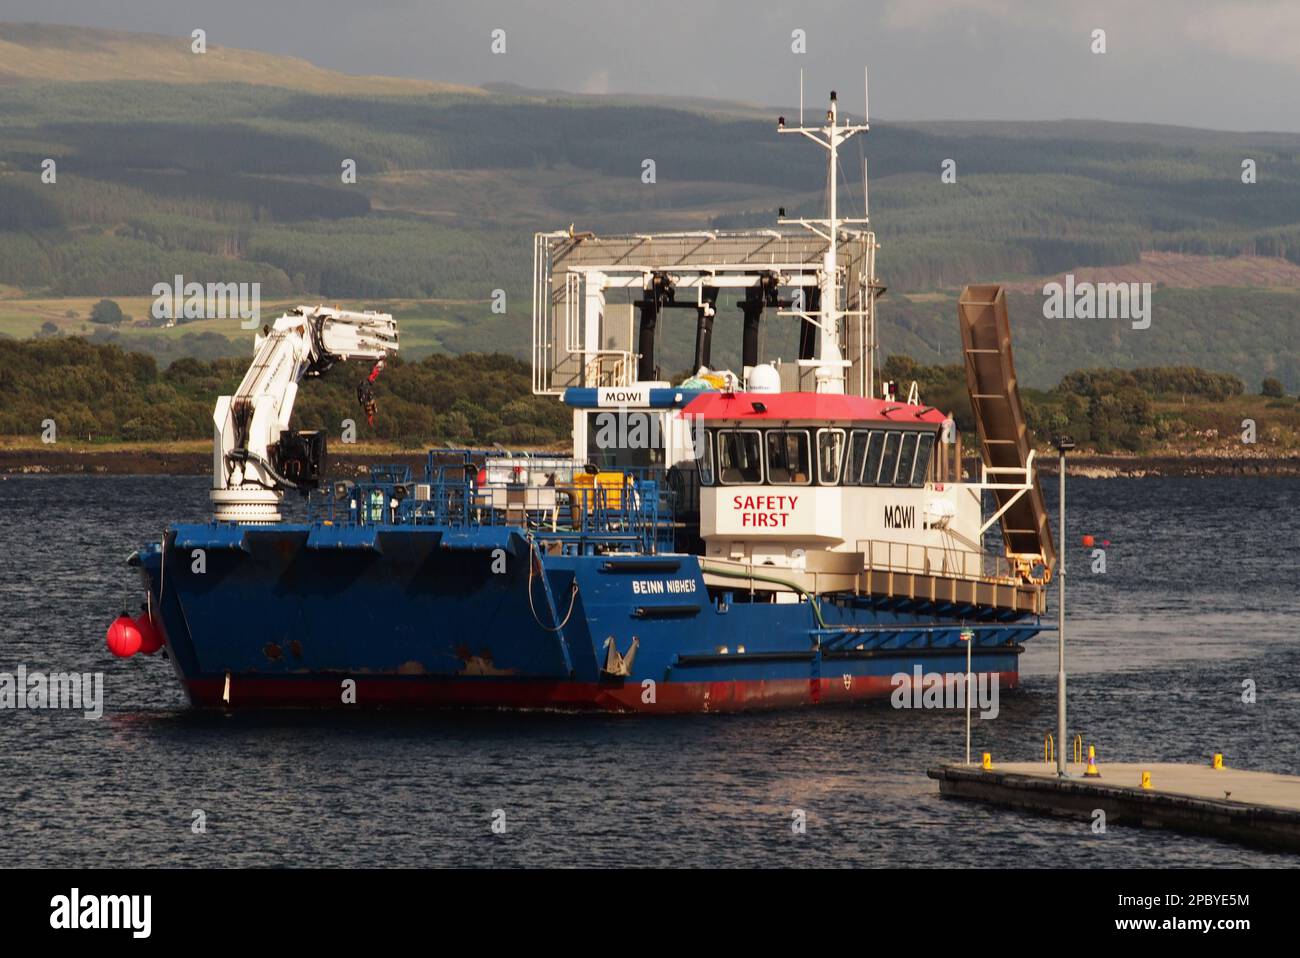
[1004,439]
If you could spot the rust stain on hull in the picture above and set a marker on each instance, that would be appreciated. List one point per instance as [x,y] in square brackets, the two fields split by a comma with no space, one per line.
[480,663]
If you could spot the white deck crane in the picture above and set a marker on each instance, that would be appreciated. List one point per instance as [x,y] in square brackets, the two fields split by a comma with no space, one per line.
[255,456]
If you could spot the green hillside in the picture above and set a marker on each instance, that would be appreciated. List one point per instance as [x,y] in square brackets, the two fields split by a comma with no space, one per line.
[225,181]
[55,52]
[1249,333]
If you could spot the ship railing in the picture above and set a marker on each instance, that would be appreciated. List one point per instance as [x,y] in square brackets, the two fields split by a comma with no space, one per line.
[636,514]
[911,557]
[632,515]
[678,488]
[390,473]
[610,367]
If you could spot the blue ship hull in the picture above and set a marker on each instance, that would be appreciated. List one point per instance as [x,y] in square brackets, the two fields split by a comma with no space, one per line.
[419,616]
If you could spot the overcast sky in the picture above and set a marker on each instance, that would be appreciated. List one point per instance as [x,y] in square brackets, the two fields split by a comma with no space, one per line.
[1212,63]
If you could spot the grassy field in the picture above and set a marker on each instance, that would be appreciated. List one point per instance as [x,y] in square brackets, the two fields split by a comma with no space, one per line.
[424,324]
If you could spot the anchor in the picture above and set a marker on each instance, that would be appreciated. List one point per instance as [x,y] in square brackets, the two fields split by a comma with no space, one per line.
[618,665]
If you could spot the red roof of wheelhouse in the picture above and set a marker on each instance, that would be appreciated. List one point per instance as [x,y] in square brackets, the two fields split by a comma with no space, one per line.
[803,407]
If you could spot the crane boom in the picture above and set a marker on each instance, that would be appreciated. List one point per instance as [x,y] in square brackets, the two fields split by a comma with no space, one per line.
[255,456]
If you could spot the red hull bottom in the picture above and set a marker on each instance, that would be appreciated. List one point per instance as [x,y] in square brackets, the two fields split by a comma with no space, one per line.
[664,697]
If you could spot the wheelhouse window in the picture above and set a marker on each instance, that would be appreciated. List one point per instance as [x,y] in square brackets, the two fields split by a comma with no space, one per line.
[874,454]
[623,439]
[740,457]
[863,460]
[924,447]
[906,458]
[856,458]
[830,456]
[876,457]
[788,459]
[703,441]
[889,459]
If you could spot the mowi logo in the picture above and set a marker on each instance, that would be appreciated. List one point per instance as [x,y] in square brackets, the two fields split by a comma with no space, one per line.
[900,517]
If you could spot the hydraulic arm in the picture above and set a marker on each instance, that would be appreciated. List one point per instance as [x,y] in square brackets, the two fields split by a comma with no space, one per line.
[255,456]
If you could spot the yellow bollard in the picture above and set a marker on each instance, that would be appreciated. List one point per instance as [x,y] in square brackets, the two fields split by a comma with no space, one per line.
[1078,749]
[987,762]
[1091,770]
[1146,780]
[1049,749]
[1217,764]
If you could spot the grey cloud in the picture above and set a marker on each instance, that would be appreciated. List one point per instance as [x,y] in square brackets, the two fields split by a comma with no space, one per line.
[1209,63]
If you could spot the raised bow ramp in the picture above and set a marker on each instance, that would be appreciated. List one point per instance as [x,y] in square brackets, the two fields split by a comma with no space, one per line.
[1004,439]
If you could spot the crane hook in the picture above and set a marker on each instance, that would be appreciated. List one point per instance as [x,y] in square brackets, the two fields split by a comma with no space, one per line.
[366,395]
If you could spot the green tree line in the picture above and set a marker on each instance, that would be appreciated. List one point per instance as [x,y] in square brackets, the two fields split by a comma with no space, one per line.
[1105,409]
[100,392]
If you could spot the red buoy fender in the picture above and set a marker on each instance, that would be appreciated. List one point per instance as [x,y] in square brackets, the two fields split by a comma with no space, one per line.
[151,639]
[123,638]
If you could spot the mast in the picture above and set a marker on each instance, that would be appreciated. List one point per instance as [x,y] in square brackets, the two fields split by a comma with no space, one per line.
[829,364]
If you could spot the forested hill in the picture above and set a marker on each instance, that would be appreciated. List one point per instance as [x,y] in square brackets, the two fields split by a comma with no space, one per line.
[223,181]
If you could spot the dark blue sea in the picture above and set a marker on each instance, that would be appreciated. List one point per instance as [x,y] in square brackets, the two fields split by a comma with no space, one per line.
[1199,596]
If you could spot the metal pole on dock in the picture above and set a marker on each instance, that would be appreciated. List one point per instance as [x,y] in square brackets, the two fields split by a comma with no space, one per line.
[968,636]
[1063,443]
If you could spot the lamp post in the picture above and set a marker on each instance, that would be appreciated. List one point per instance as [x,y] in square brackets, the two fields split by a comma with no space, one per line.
[1063,445]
